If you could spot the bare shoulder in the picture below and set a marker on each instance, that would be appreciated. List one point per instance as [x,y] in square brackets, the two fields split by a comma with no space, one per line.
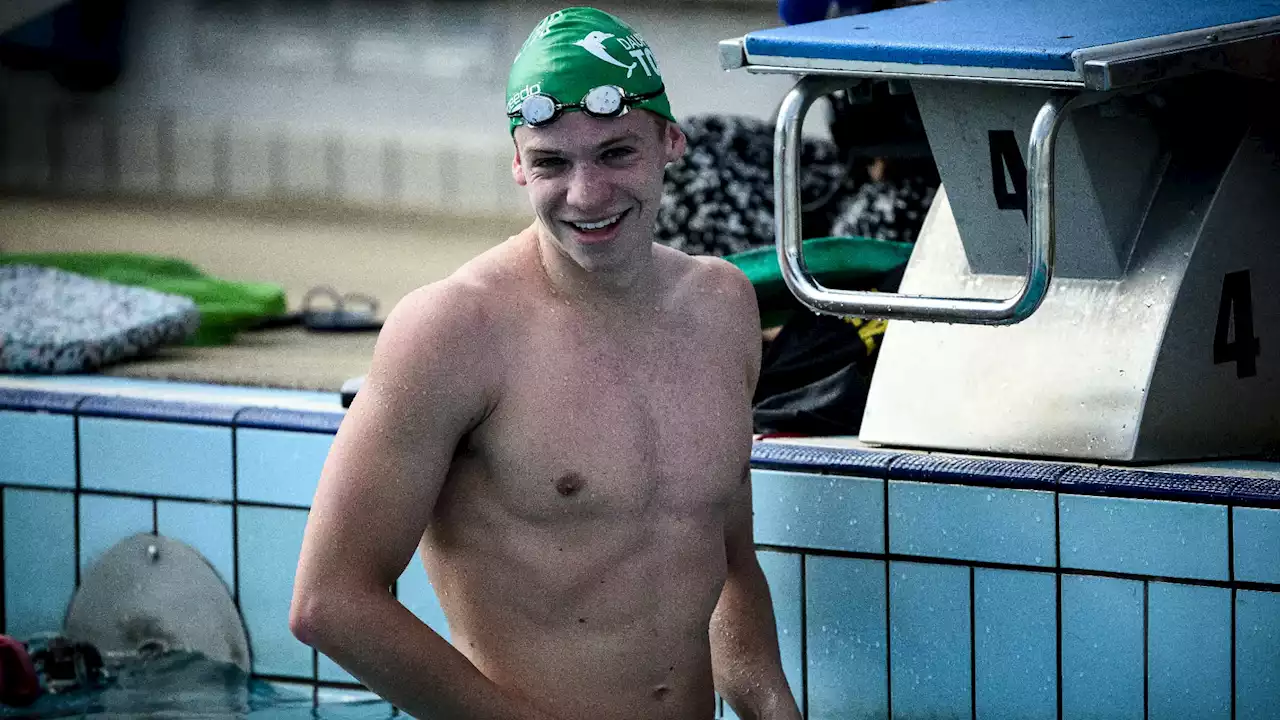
[713,288]
[460,310]
[450,314]
[721,302]
[445,337]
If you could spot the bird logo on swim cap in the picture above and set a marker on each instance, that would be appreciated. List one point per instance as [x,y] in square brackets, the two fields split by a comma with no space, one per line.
[583,59]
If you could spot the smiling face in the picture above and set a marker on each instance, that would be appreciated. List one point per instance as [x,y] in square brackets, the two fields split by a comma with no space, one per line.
[595,184]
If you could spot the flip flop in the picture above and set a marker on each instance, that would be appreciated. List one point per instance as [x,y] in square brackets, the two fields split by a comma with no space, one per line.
[340,318]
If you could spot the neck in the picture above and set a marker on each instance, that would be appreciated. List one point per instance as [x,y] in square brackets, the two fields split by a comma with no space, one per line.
[635,279]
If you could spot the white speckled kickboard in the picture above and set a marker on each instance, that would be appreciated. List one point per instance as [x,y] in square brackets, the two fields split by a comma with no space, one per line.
[52,321]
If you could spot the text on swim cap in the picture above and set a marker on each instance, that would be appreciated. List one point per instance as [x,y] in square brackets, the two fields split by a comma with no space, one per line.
[519,97]
[637,48]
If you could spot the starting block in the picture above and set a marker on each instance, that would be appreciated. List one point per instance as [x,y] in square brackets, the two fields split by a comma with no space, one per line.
[1097,276]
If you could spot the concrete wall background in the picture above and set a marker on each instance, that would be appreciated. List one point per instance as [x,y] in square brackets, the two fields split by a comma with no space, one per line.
[392,105]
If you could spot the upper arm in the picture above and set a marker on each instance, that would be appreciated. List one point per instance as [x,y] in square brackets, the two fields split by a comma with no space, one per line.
[738,312]
[739,536]
[429,383]
[737,309]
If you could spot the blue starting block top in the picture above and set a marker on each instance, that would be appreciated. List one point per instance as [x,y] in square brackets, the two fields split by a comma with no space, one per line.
[1030,39]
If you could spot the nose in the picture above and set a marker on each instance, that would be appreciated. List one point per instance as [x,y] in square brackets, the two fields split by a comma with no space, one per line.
[588,188]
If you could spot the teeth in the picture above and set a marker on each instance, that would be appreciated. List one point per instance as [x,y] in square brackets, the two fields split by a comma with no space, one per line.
[597,225]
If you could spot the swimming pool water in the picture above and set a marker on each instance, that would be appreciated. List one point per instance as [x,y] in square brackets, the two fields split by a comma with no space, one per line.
[187,686]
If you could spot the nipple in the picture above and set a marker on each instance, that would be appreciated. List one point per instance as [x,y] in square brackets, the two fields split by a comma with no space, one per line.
[568,484]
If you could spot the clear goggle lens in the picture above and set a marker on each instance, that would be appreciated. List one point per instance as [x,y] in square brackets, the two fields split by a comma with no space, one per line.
[602,101]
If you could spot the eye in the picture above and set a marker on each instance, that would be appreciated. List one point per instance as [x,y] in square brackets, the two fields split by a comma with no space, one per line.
[548,163]
[619,153]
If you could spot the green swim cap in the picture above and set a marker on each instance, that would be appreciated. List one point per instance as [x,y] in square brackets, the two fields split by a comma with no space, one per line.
[574,50]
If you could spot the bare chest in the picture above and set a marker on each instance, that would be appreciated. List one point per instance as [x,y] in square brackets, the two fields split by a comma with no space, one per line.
[599,425]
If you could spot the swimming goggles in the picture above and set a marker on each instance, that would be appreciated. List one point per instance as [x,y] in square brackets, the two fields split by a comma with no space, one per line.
[604,101]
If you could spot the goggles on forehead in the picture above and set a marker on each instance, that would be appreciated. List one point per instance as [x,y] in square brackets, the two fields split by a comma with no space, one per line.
[604,101]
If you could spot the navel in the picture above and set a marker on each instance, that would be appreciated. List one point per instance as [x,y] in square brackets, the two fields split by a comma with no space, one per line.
[569,484]
[661,692]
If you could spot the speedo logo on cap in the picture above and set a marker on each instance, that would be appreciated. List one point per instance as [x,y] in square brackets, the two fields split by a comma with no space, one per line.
[519,97]
[635,46]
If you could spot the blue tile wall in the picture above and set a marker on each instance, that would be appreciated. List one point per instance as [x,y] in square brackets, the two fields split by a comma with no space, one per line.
[39,560]
[929,641]
[206,527]
[818,511]
[1101,648]
[278,466]
[847,648]
[1144,537]
[838,649]
[414,591]
[156,458]
[1257,655]
[1015,644]
[782,571]
[269,543]
[105,521]
[1189,652]
[971,523]
[39,449]
[1257,544]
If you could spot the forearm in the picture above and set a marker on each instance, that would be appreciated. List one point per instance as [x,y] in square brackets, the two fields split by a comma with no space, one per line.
[744,648]
[386,647]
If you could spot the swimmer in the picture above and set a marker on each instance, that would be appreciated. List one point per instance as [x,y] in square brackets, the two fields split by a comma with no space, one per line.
[563,428]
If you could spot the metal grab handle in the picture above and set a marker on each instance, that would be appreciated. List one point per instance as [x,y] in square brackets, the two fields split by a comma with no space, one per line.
[977,311]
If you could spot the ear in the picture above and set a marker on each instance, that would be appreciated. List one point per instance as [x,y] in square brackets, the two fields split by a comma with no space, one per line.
[673,141]
[517,170]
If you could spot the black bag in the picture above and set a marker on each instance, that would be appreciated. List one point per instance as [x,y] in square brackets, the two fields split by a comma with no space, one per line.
[814,377]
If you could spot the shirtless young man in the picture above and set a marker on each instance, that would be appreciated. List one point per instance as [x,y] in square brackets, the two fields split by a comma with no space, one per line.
[563,426]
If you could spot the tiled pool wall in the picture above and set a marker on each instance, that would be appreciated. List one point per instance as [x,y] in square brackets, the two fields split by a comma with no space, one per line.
[906,585]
